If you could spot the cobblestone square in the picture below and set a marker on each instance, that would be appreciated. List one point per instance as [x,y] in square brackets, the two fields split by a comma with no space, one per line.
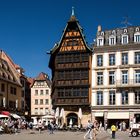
[60,135]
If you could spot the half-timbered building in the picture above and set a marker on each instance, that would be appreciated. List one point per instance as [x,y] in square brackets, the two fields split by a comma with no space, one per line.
[70,62]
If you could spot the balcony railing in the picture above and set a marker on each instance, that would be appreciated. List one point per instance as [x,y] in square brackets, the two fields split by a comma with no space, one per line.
[128,83]
[71,102]
[72,83]
[72,65]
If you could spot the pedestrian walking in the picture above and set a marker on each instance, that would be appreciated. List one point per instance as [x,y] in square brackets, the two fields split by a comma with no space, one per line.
[113,130]
[89,130]
[95,129]
[100,126]
[40,126]
[105,125]
[31,126]
[50,127]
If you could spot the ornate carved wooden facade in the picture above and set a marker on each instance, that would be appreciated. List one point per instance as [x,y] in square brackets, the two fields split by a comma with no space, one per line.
[70,63]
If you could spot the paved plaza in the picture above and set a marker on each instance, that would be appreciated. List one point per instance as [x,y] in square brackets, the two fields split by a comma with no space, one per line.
[60,135]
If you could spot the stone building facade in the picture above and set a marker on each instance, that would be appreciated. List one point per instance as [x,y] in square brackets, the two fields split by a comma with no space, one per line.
[116,75]
[41,103]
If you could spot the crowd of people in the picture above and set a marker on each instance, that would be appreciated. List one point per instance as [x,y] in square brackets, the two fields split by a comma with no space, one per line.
[93,128]
[10,126]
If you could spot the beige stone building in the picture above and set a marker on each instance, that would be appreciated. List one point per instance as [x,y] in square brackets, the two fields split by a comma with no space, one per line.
[41,96]
[116,75]
[10,86]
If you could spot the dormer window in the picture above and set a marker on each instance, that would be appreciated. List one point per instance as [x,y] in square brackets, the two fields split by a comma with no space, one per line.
[100,41]
[137,29]
[124,39]
[137,37]
[125,30]
[112,40]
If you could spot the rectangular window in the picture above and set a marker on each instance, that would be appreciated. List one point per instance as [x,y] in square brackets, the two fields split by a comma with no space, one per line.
[41,111]
[112,97]
[15,91]
[124,97]
[36,111]
[100,42]
[99,60]
[84,92]
[41,92]
[125,77]
[46,111]
[111,59]
[137,97]
[11,90]
[112,41]
[2,87]
[99,78]
[36,92]
[76,92]
[47,92]
[111,77]
[41,101]
[46,101]
[137,38]
[125,39]
[137,76]
[99,98]
[124,58]
[137,57]
[36,101]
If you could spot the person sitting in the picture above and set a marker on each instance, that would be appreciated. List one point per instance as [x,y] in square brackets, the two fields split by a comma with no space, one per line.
[1,129]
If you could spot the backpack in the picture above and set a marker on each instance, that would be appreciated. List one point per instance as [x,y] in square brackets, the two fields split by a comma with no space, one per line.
[91,126]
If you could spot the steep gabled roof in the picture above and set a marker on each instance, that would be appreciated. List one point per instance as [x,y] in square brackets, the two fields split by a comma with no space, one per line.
[30,80]
[72,19]
[41,77]
[11,65]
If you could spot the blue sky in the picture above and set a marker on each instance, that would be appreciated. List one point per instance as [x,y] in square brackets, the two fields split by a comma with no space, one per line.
[30,28]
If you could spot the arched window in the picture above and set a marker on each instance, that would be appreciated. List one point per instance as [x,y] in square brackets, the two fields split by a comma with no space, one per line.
[137,29]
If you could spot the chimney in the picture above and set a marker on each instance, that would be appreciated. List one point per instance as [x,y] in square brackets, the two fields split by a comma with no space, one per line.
[99,28]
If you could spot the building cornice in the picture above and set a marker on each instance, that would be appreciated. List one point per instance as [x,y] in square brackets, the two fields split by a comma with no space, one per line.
[116,48]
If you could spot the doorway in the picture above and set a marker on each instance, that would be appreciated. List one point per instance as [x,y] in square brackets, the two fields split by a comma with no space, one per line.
[72,119]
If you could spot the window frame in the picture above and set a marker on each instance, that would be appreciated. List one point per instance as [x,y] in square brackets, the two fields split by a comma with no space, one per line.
[99,60]
[124,98]
[100,78]
[123,39]
[99,98]
[124,58]
[112,97]
[137,97]
[111,75]
[137,37]
[100,41]
[137,58]
[112,40]
[124,76]
[112,59]
[137,76]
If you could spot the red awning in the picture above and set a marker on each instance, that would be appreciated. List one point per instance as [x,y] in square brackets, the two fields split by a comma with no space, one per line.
[5,113]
